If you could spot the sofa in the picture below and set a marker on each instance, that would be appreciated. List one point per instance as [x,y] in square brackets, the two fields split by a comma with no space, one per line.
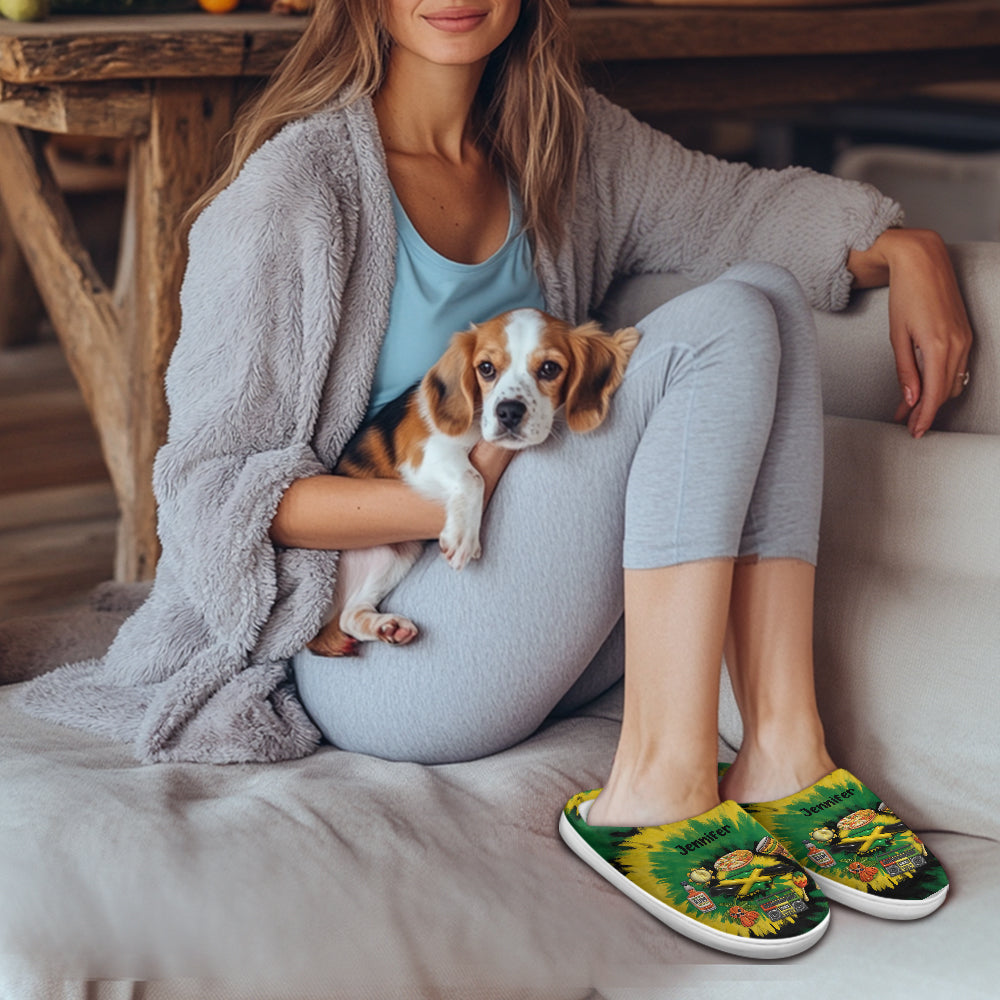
[344,876]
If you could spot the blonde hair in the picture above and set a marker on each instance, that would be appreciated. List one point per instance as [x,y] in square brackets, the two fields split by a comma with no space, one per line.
[530,110]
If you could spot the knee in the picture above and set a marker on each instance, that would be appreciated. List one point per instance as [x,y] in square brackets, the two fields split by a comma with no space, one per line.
[777,282]
[745,325]
[796,325]
[727,324]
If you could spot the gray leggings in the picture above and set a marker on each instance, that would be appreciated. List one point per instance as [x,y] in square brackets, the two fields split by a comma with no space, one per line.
[713,448]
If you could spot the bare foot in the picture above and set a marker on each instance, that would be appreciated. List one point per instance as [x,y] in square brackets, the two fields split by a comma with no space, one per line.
[755,777]
[666,802]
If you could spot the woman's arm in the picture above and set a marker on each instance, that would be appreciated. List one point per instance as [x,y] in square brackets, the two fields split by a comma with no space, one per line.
[666,208]
[928,325]
[334,512]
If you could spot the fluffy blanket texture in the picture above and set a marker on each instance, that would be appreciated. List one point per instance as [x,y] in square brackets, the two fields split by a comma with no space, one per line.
[284,305]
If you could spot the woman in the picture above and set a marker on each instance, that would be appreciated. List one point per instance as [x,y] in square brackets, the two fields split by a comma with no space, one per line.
[417,165]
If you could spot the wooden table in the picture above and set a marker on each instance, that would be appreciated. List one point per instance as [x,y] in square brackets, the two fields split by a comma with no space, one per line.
[169,84]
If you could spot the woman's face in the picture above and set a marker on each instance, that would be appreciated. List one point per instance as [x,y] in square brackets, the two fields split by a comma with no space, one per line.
[451,32]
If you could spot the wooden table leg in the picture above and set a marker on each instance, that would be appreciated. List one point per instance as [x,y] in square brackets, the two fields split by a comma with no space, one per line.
[78,303]
[118,343]
[170,166]
[21,309]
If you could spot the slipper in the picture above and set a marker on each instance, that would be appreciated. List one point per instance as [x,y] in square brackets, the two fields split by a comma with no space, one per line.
[719,878]
[857,849]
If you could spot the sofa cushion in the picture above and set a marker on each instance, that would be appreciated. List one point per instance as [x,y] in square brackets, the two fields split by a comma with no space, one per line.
[338,868]
[340,876]
[908,618]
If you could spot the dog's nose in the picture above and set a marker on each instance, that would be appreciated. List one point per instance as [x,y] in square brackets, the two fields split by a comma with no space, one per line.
[510,412]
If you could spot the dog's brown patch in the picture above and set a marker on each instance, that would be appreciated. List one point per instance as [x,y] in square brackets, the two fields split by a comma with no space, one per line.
[394,436]
[595,371]
[451,389]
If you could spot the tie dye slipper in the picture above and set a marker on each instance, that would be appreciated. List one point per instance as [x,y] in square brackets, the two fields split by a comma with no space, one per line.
[719,879]
[857,849]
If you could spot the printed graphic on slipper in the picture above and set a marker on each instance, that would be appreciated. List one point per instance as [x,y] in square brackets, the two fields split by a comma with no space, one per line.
[719,878]
[846,835]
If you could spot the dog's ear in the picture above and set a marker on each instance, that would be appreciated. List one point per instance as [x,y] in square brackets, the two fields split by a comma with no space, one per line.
[598,366]
[451,388]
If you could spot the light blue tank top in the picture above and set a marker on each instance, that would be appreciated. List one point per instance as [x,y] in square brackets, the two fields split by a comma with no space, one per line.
[435,297]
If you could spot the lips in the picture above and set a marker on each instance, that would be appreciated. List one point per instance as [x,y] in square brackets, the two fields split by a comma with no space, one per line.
[456,19]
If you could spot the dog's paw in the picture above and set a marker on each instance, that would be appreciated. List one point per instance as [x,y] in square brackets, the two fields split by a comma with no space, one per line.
[366,625]
[396,630]
[460,550]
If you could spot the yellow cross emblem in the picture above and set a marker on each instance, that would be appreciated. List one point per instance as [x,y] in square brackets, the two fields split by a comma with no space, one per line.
[748,883]
[867,842]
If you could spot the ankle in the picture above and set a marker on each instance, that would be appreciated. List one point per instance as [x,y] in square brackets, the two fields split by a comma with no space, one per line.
[764,773]
[666,795]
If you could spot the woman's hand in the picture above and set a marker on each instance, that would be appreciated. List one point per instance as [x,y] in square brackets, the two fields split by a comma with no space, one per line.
[490,461]
[928,325]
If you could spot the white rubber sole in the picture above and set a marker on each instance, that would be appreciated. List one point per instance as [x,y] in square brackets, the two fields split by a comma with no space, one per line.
[681,922]
[875,906]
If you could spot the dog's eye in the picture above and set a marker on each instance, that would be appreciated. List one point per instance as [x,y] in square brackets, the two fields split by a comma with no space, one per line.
[486,369]
[549,370]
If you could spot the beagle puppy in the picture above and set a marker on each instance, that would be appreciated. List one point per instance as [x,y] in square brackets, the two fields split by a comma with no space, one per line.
[501,381]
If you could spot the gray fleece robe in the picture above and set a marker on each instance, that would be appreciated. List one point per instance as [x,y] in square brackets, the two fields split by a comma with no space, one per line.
[284,305]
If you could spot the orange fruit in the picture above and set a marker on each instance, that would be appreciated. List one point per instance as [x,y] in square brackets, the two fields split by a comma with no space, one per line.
[219,6]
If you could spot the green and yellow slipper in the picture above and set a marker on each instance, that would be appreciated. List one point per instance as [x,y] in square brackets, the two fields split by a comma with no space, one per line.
[857,849]
[719,878]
